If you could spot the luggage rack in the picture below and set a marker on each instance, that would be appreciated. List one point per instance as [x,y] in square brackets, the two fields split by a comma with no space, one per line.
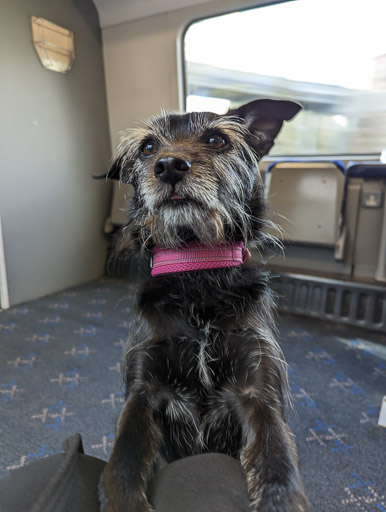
[349,303]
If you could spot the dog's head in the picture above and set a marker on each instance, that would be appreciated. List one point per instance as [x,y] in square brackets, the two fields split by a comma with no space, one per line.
[196,176]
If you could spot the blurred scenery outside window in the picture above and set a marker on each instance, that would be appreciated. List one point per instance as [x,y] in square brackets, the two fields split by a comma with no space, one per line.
[329,55]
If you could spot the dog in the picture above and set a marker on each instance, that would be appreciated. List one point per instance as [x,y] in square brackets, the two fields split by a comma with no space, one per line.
[203,370]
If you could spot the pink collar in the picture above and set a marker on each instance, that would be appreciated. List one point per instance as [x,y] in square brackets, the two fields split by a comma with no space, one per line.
[196,256]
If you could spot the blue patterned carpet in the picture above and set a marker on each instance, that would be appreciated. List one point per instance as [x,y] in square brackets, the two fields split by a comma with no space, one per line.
[59,374]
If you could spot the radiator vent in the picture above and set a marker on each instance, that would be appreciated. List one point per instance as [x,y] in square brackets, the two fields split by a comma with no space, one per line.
[339,301]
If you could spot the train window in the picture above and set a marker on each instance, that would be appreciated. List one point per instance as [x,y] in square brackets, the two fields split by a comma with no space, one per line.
[330,55]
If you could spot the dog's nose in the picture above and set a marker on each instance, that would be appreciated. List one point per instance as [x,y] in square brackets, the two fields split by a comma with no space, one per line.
[171,169]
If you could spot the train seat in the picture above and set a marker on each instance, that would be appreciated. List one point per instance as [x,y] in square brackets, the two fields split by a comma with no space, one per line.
[364,194]
[304,199]
[336,271]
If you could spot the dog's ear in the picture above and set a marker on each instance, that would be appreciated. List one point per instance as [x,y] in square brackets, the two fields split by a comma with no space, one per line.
[116,171]
[264,119]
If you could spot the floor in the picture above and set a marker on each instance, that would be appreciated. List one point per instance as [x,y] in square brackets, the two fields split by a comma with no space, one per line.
[59,374]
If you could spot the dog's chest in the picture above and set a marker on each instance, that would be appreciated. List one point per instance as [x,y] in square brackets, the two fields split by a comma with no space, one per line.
[201,384]
[198,339]
[209,363]
[206,351]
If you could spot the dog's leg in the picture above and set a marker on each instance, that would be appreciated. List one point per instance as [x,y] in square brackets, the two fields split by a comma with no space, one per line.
[124,479]
[270,460]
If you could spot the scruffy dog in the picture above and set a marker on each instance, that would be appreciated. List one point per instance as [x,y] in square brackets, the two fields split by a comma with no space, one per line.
[203,370]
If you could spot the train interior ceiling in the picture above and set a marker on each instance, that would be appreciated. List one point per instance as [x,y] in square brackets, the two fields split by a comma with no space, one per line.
[78,73]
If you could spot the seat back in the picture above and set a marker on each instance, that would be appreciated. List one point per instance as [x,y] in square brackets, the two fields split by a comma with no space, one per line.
[304,200]
[368,183]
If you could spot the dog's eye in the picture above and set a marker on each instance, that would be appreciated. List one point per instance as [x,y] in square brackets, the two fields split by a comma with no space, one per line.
[149,148]
[217,141]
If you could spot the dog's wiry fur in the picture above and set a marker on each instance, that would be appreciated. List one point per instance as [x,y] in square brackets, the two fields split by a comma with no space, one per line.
[203,370]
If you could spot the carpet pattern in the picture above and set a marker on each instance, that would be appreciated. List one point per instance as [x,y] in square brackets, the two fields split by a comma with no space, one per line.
[59,374]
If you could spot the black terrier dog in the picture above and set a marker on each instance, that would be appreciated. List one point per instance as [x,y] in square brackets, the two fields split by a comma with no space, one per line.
[203,370]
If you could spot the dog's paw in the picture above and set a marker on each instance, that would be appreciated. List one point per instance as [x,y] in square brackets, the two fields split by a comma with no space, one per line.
[122,505]
[278,498]
[143,507]
[112,500]
[300,504]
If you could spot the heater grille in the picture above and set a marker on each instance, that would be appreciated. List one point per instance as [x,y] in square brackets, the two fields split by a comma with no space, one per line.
[339,301]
